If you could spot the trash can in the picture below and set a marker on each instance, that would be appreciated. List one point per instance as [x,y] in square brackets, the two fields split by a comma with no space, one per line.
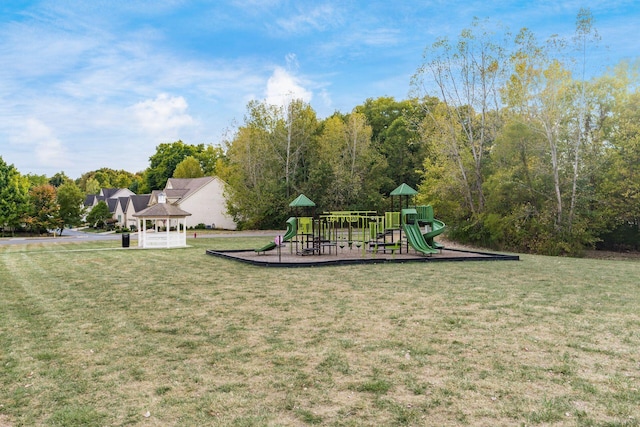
[125,240]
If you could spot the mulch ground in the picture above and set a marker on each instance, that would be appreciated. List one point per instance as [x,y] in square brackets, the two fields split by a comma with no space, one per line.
[290,256]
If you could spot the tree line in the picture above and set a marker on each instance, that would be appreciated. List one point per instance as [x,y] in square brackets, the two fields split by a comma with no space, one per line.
[506,136]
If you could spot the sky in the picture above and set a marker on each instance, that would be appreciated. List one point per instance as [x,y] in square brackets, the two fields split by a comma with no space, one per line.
[86,84]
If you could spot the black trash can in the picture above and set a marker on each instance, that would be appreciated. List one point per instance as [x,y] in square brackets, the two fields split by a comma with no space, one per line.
[125,240]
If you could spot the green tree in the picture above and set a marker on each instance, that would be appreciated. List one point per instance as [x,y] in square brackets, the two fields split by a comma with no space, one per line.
[619,189]
[98,215]
[92,186]
[165,160]
[58,179]
[91,182]
[268,160]
[395,134]
[466,76]
[14,197]
[210,158]
[71,202]
[36,180]
[44,211]
[188,168]
[345,168]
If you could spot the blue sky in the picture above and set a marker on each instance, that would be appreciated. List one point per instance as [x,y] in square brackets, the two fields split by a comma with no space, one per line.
[86,84]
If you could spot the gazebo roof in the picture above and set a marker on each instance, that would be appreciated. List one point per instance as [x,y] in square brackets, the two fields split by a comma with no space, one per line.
[302,201]
[403,190]
[162,210]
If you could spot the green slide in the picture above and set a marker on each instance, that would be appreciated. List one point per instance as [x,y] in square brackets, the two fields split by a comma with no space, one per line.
[416,240]
[437,227]
[292,230]
[425,217]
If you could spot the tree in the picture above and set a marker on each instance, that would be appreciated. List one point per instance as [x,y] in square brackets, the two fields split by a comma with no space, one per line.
[466,77]
[14,197]
[36,180]
[210,158]
[345,168]
[165,160]
[92,186]
[255,193]
[91,182]
[188,168]
[44,212]
[585,32]
[268,160]
[395,134]
[619,188]
[99,215]
[71,202]
[58,179]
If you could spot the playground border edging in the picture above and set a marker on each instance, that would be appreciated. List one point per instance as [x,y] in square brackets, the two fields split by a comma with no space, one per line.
[482,256]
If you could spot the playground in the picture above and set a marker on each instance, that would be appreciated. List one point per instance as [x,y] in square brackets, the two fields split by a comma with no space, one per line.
[407,233]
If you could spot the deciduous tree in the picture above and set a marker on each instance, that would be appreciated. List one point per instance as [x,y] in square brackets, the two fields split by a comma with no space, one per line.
[188,168]
[466,76]
[14,197]
[71,202]
[44,214]
[99,214]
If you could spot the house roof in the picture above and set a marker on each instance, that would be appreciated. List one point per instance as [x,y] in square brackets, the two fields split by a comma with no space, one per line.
[162,210]
[90,199]
[139,202]
[182,188]
[112,203]
[108,192]
[123,203]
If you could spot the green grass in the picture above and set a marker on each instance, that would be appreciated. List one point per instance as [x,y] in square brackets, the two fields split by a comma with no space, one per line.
[94,335]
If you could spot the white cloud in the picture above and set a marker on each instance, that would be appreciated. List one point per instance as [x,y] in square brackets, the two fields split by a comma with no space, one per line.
[42,142]
[163,116]
[315,18]
[283,86]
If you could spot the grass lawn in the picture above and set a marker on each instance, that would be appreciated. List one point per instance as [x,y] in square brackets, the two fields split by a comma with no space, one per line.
[91,335]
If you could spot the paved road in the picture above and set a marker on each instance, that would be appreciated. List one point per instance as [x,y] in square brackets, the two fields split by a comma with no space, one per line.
[67,236]
[72,235]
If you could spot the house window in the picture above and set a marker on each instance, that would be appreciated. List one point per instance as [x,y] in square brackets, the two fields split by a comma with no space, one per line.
[120,218]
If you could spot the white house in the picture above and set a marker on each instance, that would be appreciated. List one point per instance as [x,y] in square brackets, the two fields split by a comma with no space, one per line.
[135,204]
[202,197]
[115,198]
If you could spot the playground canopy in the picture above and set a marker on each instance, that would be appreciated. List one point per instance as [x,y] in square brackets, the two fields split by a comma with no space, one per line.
[400,191]
[302,201]
[403,190]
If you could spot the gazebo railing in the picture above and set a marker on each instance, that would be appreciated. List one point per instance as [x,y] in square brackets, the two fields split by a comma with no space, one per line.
[163,239]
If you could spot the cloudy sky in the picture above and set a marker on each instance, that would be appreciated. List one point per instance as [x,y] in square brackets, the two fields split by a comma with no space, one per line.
[86,84]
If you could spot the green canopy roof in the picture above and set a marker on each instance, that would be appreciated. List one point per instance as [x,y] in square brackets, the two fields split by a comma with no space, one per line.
[301,201]
[403,190]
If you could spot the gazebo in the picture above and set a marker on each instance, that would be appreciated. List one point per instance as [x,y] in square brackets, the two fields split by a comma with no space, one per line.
[168,225]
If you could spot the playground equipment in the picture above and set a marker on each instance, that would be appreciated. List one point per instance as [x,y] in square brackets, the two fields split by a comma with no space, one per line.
[410,227]
[292,230]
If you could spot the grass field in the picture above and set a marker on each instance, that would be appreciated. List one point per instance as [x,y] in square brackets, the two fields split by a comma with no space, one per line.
[91,335]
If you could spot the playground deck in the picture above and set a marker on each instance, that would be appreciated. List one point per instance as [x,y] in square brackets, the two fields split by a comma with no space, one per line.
[346,256]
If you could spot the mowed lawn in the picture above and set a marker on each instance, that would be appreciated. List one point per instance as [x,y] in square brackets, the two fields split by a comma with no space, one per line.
[94,335]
